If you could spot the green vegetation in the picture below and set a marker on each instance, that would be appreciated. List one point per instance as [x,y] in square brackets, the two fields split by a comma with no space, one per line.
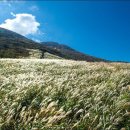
[51,56]
[13,53]
[64,95]
[34,53]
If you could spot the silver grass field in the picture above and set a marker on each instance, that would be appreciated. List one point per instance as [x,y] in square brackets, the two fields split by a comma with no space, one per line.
[64,95]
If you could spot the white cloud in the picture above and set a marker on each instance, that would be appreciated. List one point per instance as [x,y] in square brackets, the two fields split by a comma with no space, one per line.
[23,24]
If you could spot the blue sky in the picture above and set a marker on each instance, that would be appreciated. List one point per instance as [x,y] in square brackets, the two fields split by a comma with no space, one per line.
[101,29]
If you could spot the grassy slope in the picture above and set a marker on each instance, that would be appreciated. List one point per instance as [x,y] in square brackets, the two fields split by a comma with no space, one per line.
[51,56]
[64,95]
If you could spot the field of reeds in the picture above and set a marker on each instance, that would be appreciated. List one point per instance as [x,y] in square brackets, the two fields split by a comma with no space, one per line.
[64,95]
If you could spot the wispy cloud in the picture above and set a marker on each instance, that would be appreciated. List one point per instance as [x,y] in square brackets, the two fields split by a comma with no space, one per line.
[23,24]
[12,14]
[34,8]
[9,4]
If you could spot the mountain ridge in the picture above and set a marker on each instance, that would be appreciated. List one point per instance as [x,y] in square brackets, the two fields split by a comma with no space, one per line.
[14,45]
[70,52]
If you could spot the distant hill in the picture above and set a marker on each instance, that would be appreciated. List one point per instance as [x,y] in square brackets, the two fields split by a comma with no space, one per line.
[13,45]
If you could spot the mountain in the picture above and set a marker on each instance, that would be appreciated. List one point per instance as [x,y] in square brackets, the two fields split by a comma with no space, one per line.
[70,53]
[13,45]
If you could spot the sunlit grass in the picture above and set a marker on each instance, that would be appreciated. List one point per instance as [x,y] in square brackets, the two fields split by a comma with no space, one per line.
[63,95]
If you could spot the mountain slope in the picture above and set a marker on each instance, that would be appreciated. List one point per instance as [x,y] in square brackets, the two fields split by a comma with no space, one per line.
[70,53]
[13,45]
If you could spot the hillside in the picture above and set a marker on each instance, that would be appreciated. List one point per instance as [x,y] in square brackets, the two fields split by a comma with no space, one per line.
[70,53]
[13,45]
[64,95]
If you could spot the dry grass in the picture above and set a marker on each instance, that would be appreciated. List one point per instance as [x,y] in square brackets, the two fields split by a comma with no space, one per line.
[64,95]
